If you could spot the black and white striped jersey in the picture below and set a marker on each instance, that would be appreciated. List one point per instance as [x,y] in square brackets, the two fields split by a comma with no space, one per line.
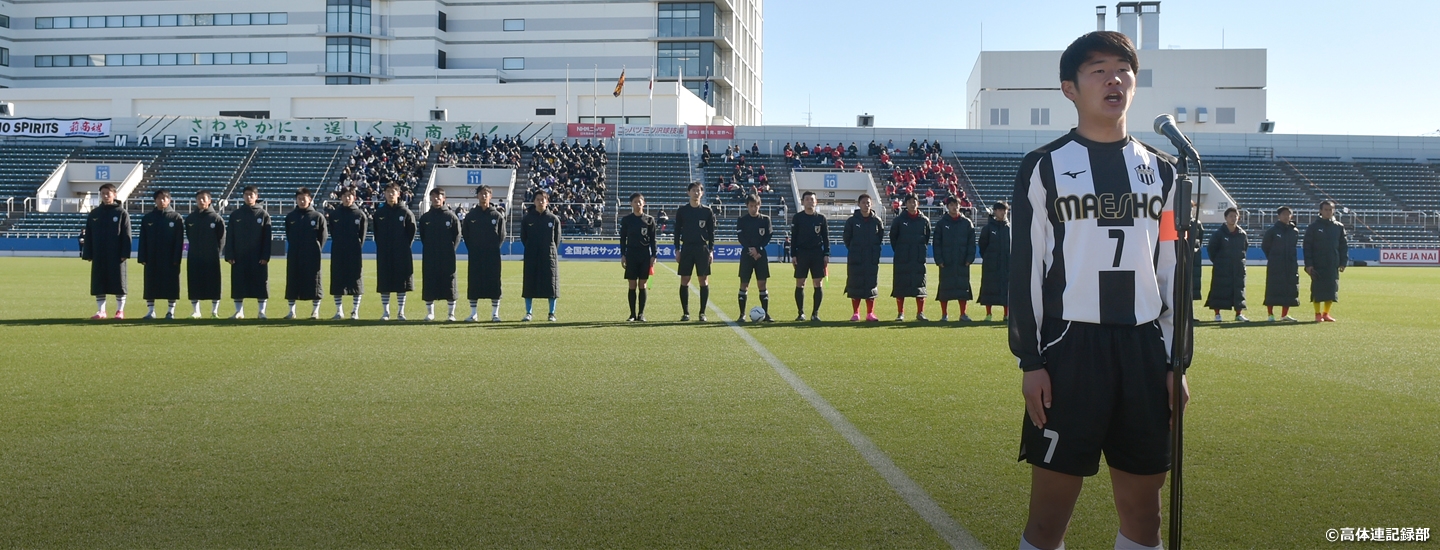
[1093,236]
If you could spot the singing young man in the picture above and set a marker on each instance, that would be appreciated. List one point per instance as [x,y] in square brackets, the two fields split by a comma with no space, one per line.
[162,246]
[810,253]
[305,233]
[348,226]
[638,250]
[694,248]
[439,239]
[484,232]
[1092,278]
[106,247]
[864,237]
[754,230]
[205,230]
[394,258]
[248,251]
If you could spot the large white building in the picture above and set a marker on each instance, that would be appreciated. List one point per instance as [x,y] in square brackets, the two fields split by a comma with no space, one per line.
[1208,91]
[503,61]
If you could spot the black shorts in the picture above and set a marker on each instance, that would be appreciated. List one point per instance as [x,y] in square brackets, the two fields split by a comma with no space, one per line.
[637,263]
[750,266]
[811,264]
[694,258]
[1109,396]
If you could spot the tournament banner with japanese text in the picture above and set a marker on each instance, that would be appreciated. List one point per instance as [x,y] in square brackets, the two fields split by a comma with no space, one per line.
[586,251]
[317,130]
[54,127]
[662,131]
[575,130]
[710,132]
[1411,256]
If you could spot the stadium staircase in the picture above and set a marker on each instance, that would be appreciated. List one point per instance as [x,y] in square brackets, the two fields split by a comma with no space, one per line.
[1343,182]
[1257,183]
[183,172]
[1415,186]
[991,175]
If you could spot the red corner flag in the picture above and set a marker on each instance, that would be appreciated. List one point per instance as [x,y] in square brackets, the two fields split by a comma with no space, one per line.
[620,86]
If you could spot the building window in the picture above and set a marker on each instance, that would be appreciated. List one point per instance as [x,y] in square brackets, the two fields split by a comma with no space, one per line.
[544,112]
[514,25]
[142,59]
[1040,117]
[4,57]
[999,117]
[440,59]
[687,19]
[514,64]
[1145,78]
[190,20]
[348,16]
[346,80]
[696,59]
[1224,115]
[5,21]
[347,55]
[440,24]
[697,87]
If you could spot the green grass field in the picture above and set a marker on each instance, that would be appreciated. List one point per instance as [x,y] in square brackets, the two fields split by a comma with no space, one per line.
[591,432]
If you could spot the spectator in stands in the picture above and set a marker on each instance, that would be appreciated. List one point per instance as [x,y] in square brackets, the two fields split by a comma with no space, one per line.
[573,178]
[995,257]
[248,251]
[839,163]
[205,231]
[853,151]
[755,148]
[162,245]
[873,149]
[1227,247]
[376,164]
[705,155]
[106,245]
[1326,253]
[885,160]
[1282,279]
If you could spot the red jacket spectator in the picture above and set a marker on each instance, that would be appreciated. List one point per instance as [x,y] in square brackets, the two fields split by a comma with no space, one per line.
[839,164]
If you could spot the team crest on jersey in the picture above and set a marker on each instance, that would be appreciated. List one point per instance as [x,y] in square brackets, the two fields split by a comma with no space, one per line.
[1146,174]
[644,230]
[172,224]
[762,230]
[357,221]
[494,222]
[117,218]
[702,224]
[312,223]
[447,224]
[212,225]
[817,230]
[551,225]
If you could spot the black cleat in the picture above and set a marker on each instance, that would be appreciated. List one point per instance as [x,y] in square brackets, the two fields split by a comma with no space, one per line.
[800,317]
[640,318]
[685,317]
[815,318]
[702,318]
[630,319]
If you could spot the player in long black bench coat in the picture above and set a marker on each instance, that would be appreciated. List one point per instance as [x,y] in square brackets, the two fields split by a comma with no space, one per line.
[864,239]
[1282,266]
[394,226]
[439,237]
[484,232]
[205,230]
[540,233]
[1326,253]
[909,238]
[305,232]
[348,226]
[162,247]
[994,246]
[1227,247]
[106,245]
[954,252]
[248,251]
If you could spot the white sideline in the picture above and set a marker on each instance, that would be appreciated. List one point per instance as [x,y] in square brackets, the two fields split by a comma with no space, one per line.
[915,496]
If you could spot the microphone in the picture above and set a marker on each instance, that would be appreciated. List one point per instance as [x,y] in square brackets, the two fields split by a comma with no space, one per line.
[1165,126]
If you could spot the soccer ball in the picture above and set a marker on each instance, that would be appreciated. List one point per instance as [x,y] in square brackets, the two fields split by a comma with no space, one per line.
[757,313]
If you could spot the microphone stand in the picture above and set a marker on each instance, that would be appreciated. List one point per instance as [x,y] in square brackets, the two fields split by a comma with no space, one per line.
[1183,345]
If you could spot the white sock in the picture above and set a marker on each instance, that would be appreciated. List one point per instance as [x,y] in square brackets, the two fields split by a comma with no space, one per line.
[315,311]
[100,304]
[339,308]
[215,307]
[495,307]
[474,308]
[430,308]
[400,302]
[355,302]
[120,303]
[195,304]
[1025,545]
[171,310]
[1123,542]
[292,308]
[262,306]
[151,305]
[239,306]
[385,301]
[452,309]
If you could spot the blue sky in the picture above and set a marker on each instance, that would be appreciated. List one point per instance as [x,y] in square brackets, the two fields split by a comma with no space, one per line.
[1360,68]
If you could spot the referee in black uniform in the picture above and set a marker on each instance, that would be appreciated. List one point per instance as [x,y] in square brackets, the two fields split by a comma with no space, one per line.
[810,253]
[754,230]
[637,253]
[694,248]
[1093,268]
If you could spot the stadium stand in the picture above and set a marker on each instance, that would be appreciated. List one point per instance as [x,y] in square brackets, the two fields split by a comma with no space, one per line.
[991,175]
[182,172]
[277,171]
[375,164]
[26,166]
[1256,183]
[479,152]
[50,224]
[661,177]
[1330,178]
[575,176]
[1416,186]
